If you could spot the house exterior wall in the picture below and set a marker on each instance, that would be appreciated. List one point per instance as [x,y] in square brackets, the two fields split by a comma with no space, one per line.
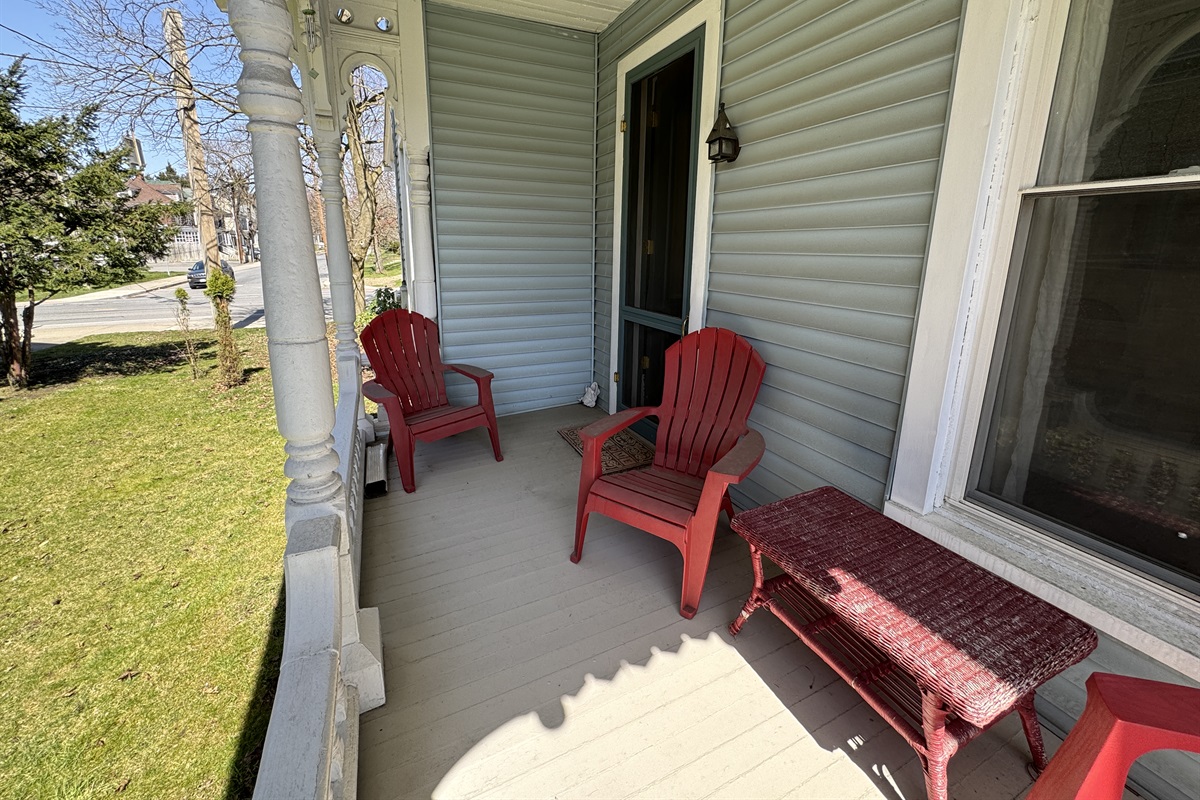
[512,116]
[820,227]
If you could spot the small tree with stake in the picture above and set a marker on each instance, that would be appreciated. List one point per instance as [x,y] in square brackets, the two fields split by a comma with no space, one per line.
[229,362]
[65,217]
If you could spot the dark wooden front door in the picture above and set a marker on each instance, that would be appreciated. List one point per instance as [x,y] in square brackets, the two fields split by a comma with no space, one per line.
[660,187]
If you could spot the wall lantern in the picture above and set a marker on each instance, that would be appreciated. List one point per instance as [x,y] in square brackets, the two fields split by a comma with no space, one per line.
[722,142]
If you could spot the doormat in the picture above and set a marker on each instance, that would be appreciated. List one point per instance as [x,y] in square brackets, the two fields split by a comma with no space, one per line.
[624,450]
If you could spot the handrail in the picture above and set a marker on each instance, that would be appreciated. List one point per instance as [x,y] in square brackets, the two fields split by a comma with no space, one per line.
[330,668]
[301,753]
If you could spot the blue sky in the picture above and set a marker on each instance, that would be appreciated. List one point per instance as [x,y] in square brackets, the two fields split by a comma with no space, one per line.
[24,16]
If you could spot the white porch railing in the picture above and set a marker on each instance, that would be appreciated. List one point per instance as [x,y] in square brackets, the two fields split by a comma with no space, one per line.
[331,668]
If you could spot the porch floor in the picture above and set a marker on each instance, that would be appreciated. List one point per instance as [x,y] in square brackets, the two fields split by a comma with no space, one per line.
[513,673]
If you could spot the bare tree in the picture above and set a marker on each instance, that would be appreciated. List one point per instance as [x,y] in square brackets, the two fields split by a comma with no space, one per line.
[363,169]
[111,52]
[312,183]
[231,175]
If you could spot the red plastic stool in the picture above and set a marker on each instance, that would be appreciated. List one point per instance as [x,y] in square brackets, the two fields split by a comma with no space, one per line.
[1125,718]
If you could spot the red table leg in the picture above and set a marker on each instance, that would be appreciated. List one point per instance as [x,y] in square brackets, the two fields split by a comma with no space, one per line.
[933,722]
[758,596]
[1033,731]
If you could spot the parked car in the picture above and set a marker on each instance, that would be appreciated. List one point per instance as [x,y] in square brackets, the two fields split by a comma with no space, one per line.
[198,277]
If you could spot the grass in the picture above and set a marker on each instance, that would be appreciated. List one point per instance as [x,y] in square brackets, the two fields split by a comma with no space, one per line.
[146,275]
[393,271]
[141,538]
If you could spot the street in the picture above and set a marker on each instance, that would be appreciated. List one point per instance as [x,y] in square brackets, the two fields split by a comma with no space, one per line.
[151,307]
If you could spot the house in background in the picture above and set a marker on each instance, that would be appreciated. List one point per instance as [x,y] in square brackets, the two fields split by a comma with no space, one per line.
[962,236]
[143,191]
[235,218]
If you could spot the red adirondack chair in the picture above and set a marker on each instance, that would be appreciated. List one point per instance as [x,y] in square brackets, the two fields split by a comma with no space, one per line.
[1124,719]
[404,351]
[703,445]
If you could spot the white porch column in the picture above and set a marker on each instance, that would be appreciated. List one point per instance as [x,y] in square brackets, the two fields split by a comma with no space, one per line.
[424,289]
[337,256]
[291,288]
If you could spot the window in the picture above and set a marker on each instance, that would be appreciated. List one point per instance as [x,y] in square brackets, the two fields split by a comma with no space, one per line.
[1091,427]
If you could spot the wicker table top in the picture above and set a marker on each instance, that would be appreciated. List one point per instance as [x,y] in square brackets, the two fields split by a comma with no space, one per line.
[962,632]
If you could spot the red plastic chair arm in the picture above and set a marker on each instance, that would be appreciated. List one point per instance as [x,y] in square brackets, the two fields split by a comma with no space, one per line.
[593,437]
[373,391]
[737,463]
[732,468]
[474,373]
[601,429]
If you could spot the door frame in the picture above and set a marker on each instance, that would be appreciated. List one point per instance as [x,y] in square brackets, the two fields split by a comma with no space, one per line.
[707,15]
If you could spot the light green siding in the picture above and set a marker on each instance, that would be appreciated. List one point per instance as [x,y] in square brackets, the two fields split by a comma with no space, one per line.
[512,108]
[820,226]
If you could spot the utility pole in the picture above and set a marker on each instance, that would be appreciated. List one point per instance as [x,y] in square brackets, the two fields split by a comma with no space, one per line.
[235,195]
[229,360]
[185,102]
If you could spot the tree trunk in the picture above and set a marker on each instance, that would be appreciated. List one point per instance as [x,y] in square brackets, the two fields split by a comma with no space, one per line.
[193,150]
[375,247]
[237,225]
[361,223]
[10,337]
[358,260]
[27,338]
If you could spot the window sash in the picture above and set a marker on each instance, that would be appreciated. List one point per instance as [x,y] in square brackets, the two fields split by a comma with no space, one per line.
[1161,183]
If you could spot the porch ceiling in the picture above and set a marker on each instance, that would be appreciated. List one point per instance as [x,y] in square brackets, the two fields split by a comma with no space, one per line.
[581,15]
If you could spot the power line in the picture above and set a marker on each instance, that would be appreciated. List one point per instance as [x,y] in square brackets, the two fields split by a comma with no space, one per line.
[27,57]
[51,48]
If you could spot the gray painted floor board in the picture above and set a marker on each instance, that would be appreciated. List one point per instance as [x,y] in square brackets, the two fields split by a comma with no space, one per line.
[512,673]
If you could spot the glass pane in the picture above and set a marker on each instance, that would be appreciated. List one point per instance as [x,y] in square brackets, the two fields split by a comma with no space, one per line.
[660,152]
[1127,92]
[642,371]
[1096,417]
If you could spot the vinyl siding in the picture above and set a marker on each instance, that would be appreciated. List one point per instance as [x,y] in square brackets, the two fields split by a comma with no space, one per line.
[512,109]
[820,226]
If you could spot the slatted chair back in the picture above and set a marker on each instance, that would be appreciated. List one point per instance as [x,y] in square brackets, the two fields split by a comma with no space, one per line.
[404,351]
[712,379]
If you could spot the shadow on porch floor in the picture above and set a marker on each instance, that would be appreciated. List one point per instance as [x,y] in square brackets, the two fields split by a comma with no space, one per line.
[512,673]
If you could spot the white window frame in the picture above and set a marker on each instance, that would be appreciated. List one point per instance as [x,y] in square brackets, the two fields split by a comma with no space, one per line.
[993,151]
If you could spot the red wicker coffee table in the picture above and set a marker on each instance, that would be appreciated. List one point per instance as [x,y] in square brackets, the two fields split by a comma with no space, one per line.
[939,646]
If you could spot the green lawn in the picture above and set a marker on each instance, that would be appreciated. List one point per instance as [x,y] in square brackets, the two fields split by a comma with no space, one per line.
[141,538]
[392,274]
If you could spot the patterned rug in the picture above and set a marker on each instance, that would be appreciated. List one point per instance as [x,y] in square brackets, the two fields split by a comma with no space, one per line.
[623,451]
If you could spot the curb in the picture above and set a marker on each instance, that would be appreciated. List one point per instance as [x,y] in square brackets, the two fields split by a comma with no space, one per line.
[134,289]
